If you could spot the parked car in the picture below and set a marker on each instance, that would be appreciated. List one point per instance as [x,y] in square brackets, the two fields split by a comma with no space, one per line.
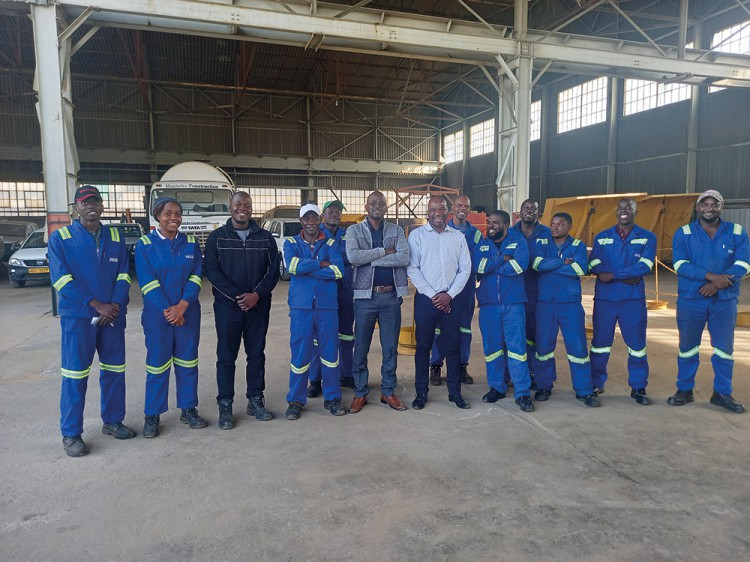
[12,234]
[130,232]
[281,229]
[29,263]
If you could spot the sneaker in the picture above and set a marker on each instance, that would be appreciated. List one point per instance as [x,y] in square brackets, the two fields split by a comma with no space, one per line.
[118,430]
[191,417]
[466,378]
[256,407]
[226,421]
[589,399]
[639,395]
[315,389]
[525,403]
[599,390]
[680,398]
[493,396]
[74,446]
[419,401]
[150,426]
[435,379]
[459,401]
[542,395]
[334,406]
[294,411]
[727,402]
[347,382]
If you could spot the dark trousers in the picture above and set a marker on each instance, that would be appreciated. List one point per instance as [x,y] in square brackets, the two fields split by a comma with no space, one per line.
[233,325]
[427,318]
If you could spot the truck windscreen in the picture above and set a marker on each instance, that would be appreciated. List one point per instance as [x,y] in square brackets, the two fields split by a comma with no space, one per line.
[198,201]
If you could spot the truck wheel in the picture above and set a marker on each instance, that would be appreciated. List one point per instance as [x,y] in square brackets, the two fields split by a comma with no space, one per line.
[283,273]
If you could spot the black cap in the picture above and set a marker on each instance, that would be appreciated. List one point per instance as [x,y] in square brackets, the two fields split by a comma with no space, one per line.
[86,191]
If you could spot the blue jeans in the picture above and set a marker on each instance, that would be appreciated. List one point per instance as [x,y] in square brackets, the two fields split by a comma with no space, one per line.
[386,309]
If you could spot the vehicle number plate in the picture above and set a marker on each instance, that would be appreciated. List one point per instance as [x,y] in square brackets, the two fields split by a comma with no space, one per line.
[39,270]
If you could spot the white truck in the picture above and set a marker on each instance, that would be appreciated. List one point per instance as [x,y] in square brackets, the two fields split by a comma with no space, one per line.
[205,192]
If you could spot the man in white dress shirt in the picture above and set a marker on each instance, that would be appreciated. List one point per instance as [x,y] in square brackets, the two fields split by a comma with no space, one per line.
[439,267]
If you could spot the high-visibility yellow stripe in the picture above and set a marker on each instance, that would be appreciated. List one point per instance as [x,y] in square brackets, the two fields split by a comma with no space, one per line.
[594,263]
[158,370]
[437,331]
[195,279]
[346,337]
[336,271]
[537,261]
[517,268]
[689,352]
[517,356]
[315,342]
[605,241]
[477,237]
[575,242]
[679,263]
[578,360]
[743,264]
[490,358]
[299,370]
[465,330]
[150,286]
[112,368]
[544,357]
[292,240]
[65,233]
[511,246]
[723,355]
[185,363]
[68,374]
[114,234]
[639,241]
[686,229]
[124,277]
[330,363]
[64,280]
[484,248]
[578,269]
[532,343]
[601,350]
[145,239]
[330,242]
[648,262]
[482,265]
[542,241]
[737,229]
[191,239]
[637,352]
[293,265]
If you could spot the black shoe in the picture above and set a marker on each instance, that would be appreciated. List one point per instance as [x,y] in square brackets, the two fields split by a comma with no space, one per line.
[597,391]
[294,411]
[727,402]
[493,396]
[191,417]
[150,426]
[315,389]
[680,398]
[435,379]
[419,401]
[256,407]
[542,395]
[334,406]
[525,403]
[466,378]
[590,400]
[347,382]
[118,430]
[459,401]
[226,421]
[74,446]
[533,382]
[639,394]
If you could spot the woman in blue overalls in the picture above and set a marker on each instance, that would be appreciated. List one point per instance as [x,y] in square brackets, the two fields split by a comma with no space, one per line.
[168,264]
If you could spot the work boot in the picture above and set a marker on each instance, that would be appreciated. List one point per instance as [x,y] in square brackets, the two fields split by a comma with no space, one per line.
[334,406]
[727,402]
[314,390]
[600,390]
[435,379]
[74,446]
[226,421]
[542,395]
[465,376]
[256,407]
[191,417]
[680,398]
[459,401]
[294,411]
[493,396]
[639,395]
[347,382]
[589,399]
[525,403]
[150,426]
[118,430]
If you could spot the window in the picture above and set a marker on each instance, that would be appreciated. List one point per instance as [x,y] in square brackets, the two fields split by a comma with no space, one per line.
[453,147]
[641,95]
[582,105]
[735,39]
[536,120]
[482,138]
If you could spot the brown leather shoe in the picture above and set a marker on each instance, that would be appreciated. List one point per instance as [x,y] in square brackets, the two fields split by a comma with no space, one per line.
[393,402]
[357,404]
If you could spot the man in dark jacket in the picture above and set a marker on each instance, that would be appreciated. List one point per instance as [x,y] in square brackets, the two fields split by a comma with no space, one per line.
[242,263]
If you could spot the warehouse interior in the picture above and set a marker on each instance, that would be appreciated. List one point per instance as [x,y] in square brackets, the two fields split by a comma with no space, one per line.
[300,100]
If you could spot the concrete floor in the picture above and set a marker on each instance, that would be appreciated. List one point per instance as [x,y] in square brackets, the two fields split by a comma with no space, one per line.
[567,482]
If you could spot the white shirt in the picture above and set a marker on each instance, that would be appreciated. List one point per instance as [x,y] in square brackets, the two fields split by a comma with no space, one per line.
[438,262]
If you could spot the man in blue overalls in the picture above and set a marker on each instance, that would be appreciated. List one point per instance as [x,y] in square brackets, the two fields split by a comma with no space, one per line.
[89,269]
[461,209]
[561,264]
[315,265]
[331,219]
[620,258]
[711,256]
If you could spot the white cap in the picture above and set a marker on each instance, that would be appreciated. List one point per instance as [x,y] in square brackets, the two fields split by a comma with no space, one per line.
[309,207]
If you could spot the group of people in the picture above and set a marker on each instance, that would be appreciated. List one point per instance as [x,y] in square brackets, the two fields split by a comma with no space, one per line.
[525,279]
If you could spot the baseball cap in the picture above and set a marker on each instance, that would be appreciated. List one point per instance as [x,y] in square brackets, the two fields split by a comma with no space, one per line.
[335,203]
[307,208]
[86,191]
[711,193]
